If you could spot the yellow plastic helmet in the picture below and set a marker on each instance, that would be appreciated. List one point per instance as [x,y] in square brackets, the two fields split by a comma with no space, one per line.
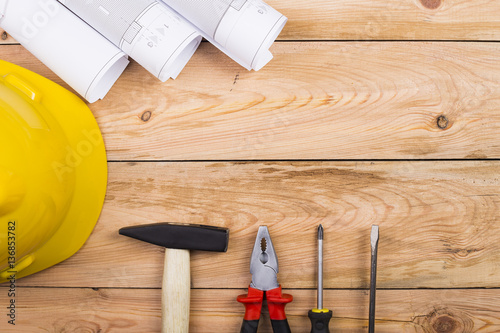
[53,172]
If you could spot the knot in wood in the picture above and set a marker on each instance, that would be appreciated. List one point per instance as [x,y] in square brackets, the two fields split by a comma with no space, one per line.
[445,324]
[445,320]
[442,122]
[431,4]
[146,116]
[4,35]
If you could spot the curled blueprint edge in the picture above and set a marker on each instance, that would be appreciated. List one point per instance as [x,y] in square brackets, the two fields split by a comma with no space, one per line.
[242,29]
[148,31]
[78,54]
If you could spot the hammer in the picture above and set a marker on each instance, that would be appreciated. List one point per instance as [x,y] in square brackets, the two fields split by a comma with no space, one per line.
[178,239]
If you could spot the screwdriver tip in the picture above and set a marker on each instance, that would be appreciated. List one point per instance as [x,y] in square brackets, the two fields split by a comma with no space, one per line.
[374,237]
[320,232]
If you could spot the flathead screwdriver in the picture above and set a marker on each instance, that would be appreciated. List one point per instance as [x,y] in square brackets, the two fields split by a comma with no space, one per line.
[320,317]
[373,277]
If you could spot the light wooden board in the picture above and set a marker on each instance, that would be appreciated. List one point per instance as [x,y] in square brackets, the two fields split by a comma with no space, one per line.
[313,101]
[438,221]
[325,95]
[138,310]
[389,20]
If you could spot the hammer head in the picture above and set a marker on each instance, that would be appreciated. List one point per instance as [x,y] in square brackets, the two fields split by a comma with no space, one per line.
[181,236]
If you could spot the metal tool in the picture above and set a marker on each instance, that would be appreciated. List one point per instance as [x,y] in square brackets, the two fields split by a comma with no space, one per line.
[320,317]
[264,270]
[178,239]
[373,277]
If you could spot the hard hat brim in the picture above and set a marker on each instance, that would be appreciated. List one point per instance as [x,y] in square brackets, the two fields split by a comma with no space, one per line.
[89,166]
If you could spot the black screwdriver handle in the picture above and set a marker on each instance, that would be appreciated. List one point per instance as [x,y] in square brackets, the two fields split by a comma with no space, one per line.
[280,326]
[320,321]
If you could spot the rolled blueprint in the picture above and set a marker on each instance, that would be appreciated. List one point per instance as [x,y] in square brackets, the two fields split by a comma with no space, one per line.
[88,62]
[147,30]
[243,29]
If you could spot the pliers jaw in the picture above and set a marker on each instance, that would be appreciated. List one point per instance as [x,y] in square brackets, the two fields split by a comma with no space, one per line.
[264,262]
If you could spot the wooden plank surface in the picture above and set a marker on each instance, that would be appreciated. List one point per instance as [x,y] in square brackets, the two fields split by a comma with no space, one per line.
[313,101]
[388,20]
[216,311]
[439,223]
[430,107]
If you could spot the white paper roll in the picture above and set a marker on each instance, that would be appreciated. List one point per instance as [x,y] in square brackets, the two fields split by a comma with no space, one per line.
[88,62]
[147,30]
[243,29]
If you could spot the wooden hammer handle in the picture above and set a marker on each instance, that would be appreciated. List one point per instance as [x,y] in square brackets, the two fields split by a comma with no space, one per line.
[176,291]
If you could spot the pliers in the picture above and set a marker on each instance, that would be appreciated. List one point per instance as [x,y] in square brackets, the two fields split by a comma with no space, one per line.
[264,270]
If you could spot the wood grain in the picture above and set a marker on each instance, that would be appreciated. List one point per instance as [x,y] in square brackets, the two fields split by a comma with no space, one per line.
[325,95]
[438,223]
[176,291]
[313,101]
[388,20]
[138,310]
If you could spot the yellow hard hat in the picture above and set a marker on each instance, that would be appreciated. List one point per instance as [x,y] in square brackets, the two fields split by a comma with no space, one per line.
[53,172]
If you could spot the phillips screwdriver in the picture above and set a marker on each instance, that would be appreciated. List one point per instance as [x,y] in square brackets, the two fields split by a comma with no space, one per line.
[373,278]
[320,317]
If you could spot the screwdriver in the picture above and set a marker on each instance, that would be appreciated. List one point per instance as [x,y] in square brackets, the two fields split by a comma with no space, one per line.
[373,277]
[320,317]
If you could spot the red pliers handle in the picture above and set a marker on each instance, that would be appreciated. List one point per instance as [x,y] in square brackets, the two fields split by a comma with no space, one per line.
[276,302]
